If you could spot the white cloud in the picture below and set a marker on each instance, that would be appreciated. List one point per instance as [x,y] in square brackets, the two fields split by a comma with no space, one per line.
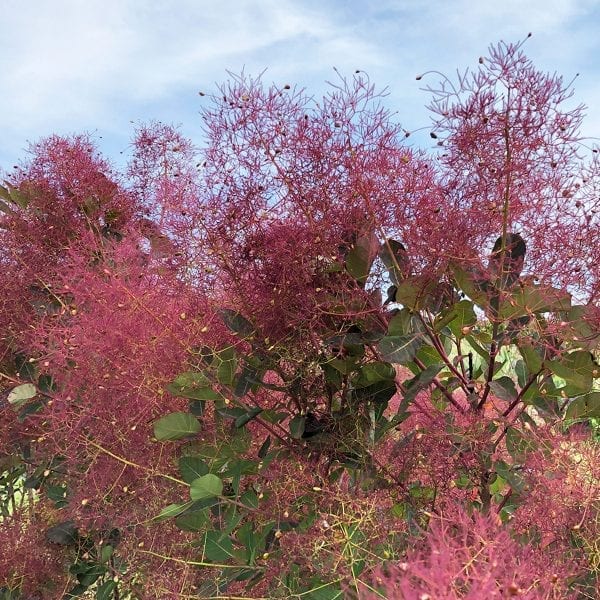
[67,64]
[71,65]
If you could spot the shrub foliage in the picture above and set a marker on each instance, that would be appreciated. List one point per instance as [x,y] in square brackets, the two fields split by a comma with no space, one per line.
[308,360]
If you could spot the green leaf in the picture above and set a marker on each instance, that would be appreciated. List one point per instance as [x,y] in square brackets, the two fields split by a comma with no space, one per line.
[297,425]
[510,474]
[217,546]
[322,591]
[373,373]
[231,412]
[358,264]
[333,377]
[193,519]
[401,323]
[25,369]
[266,534]
[193,385]
[106,590]
[577,368]
[420,382]
[20,394]
[91,575]
[477,347]
[395,258]
[64,534]
[46,384]
[354,338]
[231,519]
[460,315]
[360,258]
[530,354]
[227,366]
[428,355]
[517,444]
[237,323]
[171,510]
[581,329]
[250,414]
[248,538]
[241,466]
[246,380]
[400,349]
[196,407]
[4,193]
[14,195]
[529,299]
[58,494]
[75,591]
[5,208]
[521,372]
[343,365]
[176,426]
[192,467]
[226,372]
[504,388]
[264,449]
[249,498]
[379,392]
[106,552]
[584,407]
[414,291]
[474,283]
[401,510]
[207,486]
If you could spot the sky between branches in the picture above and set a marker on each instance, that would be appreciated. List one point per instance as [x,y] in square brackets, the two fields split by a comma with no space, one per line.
[70,66]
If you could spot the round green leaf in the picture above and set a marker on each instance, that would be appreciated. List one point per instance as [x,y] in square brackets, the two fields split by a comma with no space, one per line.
[175,426]
[207,486]
[400,349]
[192,467]
[172,510]
[64,534]
[250,414]
[21,394]
[297,425]
[373,373]
[358,263]
[237,323]
[106,590]
[193,385]
[217,546]
[193,520]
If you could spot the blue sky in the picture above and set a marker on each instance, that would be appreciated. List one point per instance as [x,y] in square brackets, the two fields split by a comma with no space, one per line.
[97,65]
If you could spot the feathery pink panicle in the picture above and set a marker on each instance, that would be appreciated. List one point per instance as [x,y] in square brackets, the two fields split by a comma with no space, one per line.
[131,334]
[284,281]
[561,499]
[458,441]
[112,288]
[470,557]
[164,176]
[28,559]
[123,329]
[71,194]
[283,172]
[70,190]
[511,147]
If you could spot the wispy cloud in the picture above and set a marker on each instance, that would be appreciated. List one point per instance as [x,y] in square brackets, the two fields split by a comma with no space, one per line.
[67,65]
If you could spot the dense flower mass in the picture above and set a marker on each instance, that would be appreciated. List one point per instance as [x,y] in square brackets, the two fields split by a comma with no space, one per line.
[307,360]
[474,557]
